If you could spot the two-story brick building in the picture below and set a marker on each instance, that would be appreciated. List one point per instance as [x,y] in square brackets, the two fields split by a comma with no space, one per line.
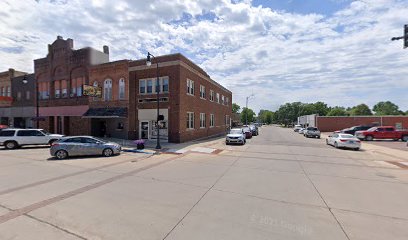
[193,105]
[6,99]
[108,114]
[60,77]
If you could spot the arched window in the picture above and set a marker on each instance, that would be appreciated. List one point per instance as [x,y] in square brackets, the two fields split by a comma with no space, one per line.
[107,89]
[122,89]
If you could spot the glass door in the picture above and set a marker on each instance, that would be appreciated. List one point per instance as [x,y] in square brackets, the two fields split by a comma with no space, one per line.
[144,130]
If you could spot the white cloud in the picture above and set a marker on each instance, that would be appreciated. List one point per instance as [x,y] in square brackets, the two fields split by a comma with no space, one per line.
[343,59]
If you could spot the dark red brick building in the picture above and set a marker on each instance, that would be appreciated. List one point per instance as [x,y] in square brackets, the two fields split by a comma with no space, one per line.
[194,106]
[60,77]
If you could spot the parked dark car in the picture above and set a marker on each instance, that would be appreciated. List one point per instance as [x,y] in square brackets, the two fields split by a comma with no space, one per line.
[248,132]
[254,130]
[354,129]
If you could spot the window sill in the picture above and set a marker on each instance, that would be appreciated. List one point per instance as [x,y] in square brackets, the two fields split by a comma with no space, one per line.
[189,94]
[190,129]
[203,98]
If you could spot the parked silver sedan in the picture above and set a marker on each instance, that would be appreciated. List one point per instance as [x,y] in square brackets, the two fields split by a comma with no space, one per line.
[339,140]
[83,146]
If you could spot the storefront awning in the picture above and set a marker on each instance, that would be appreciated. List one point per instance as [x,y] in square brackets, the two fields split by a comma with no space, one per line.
[106,113]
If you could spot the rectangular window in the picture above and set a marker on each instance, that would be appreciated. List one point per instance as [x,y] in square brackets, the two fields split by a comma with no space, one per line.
[211,95]
[64,89]
[190,87]
[202,120]
[223,100]
[142,86]
[190,120]
[227,121]
[57,88]
[80,82]
[227,101]
[165,85]
[149,86]
[218,98]
[8,91]
[73,88]
[202,91]
[212,120]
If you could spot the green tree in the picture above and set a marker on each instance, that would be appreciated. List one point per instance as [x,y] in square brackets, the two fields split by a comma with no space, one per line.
[320,108]
[337,111]
[360,110]
[248,114]
[387,108]
[235,108]
[265,116]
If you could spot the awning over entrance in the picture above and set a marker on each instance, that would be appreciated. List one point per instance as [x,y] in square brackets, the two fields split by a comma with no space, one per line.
[106,113]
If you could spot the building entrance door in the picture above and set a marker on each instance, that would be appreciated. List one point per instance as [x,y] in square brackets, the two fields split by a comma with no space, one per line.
[144,130]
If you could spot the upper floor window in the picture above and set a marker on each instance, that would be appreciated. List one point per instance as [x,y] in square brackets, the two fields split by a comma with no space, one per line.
[211,95]
[190,87]
[223,100]
[43,90]
[107,90]
[122,88]
[64,90]
[218,98]
[79,83]
[8,91]
[227,101]
[202,91]
[165,85]
[57,88]
[146,85]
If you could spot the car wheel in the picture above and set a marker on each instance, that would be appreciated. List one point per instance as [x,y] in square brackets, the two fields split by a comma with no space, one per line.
[405,138]
[369,138]
[336,145]
[226,143]
[356,149]
[318,137]
[395,139]
[11,144]
[327,142]
[61,154]
[107,152]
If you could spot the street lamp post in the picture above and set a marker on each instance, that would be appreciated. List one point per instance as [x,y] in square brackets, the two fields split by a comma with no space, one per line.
[246,106]
[149,63]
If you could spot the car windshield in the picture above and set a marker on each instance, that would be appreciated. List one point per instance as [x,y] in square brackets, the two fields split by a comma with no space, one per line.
[235,131]
[372,129]
[45,133]
[346,136]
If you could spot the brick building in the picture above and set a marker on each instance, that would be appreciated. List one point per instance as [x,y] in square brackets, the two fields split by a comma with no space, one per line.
[330,124]
[60,77]
[6,99]
[108,114]
[193,105]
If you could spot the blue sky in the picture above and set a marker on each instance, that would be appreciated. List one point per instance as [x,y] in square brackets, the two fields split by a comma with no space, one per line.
[324,7]
[336,51]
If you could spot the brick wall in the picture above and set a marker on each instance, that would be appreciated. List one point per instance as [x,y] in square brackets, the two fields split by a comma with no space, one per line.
[329,124]
[79,126]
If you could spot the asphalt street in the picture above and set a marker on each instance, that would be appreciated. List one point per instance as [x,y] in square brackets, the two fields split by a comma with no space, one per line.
[280,185]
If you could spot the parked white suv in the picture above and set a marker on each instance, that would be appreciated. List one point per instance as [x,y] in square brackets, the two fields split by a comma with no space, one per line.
[13,138]
[236,135]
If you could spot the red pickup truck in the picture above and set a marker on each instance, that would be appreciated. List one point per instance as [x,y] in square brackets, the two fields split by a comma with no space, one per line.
[382,132]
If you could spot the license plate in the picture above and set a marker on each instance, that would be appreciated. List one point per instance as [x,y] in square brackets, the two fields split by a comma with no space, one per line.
[350,141]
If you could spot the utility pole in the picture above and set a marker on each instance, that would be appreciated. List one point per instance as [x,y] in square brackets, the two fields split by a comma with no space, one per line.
[246,106]
[404,38]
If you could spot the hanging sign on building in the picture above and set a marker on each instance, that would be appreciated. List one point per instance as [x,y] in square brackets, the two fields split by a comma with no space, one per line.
[92,91]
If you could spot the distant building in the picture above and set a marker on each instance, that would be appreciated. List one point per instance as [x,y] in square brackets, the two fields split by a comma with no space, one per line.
[6,99]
